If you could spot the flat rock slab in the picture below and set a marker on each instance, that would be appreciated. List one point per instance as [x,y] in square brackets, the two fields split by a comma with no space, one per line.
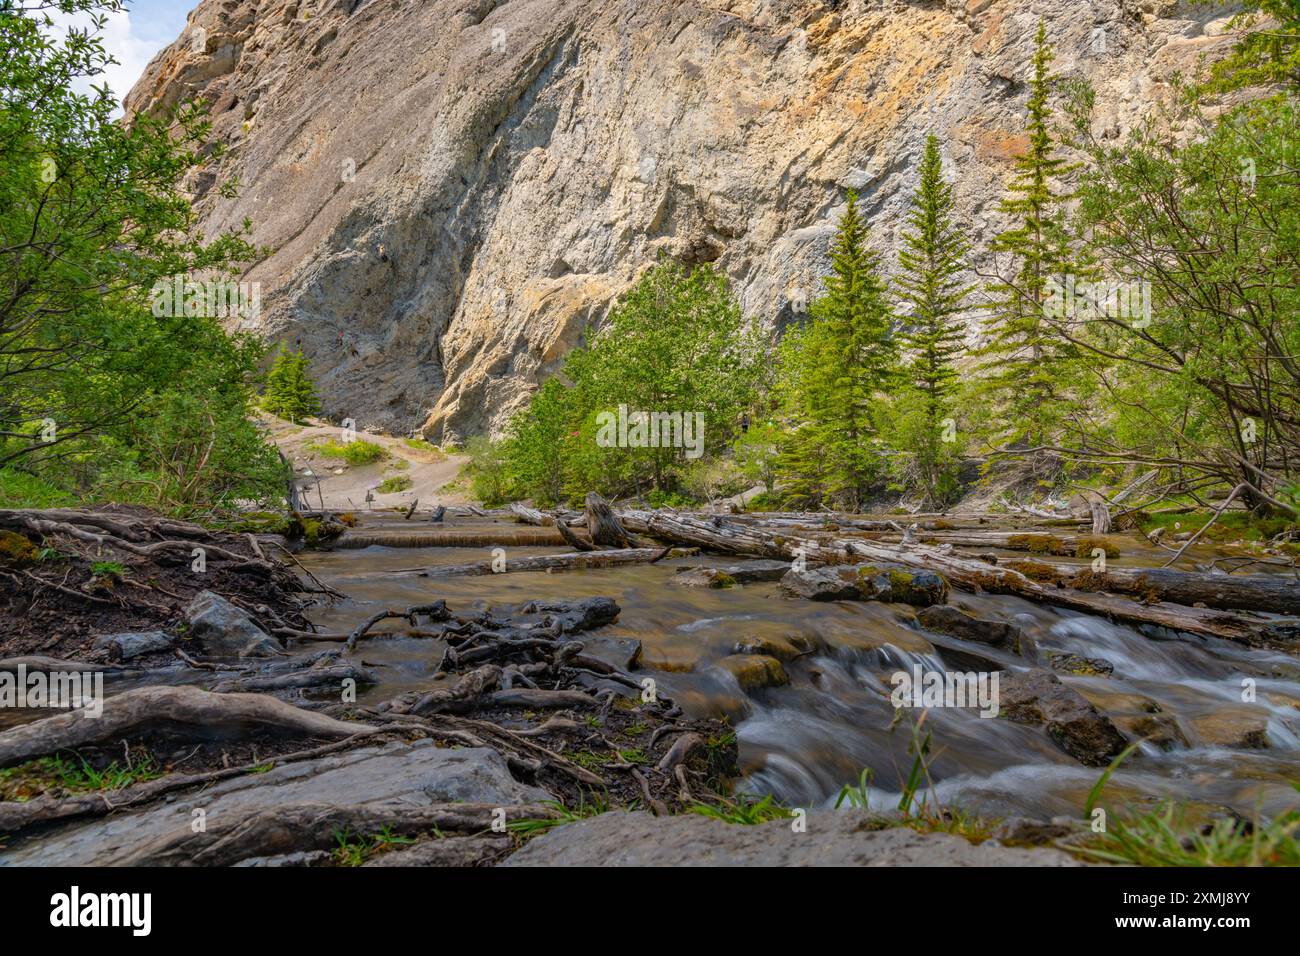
[452,851]
[833,838]
[418,774]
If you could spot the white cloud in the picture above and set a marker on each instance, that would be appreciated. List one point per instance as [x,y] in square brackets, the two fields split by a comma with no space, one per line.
[123,43]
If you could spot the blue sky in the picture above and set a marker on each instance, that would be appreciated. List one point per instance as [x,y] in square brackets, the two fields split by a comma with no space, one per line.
[135,36]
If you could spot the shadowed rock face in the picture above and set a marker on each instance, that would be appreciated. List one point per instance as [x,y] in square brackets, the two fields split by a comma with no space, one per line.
[452,191]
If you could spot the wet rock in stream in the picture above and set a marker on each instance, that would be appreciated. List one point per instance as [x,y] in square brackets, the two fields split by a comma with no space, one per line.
[866,582]
[1242,728]
[755,671]
[1038,696]
[702,578]
[1081,666]
[946,619]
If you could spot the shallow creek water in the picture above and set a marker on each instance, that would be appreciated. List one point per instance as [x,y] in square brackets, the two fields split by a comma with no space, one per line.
[802,742]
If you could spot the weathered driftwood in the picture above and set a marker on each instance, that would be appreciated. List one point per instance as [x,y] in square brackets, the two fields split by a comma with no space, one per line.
[972,575]
[333,674]
[437,611]
[1275,593]
[35,663]
[1039,542]
[931,522]
[531,515]
[469,537]
[186,711]
[572,538]
[579,561]
[1100,516]
[603,525]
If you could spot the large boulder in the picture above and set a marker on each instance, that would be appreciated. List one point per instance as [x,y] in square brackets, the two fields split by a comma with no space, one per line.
[832,838]
[223,630]
[416,774]
[946,619]
[1038,697]
[822,584]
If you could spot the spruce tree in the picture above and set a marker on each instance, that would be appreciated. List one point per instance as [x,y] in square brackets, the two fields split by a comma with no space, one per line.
[1025,363]
[931,262]
[290,392]
[834,373]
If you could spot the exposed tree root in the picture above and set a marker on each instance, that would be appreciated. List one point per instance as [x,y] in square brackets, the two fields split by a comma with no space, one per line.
[187,711]
[307,826]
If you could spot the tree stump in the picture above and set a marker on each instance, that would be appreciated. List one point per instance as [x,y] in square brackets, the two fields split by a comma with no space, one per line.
[602,524]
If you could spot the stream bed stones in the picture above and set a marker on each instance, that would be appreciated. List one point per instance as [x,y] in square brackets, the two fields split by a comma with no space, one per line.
[1038,696]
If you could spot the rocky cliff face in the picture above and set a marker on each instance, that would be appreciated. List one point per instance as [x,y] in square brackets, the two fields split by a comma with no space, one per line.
[451,191]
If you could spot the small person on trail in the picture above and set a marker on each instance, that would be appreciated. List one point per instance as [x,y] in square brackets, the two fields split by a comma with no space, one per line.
[370,497]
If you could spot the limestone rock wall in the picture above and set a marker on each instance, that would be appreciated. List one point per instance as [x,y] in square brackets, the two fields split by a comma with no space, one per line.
[452,191]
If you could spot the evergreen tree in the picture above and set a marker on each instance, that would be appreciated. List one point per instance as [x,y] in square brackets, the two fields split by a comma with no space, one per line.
[1026,368]
[833,374]
[290,392]
[931,261]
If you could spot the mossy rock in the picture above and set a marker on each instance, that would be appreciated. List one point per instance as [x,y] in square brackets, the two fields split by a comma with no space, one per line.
[776,647]
[918,588]
[17,550]
[755,671]
[1081,666]
[702,578]
[321,531]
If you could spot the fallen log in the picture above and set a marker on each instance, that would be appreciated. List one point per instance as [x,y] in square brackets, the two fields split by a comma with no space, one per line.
[531,515]
[1035,542]
[187,710]
[578,561]
[1275,593]
[966,573]
[469,537]
[571,537]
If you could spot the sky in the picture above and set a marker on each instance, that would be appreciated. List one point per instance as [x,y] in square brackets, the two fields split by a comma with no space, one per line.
[133,37]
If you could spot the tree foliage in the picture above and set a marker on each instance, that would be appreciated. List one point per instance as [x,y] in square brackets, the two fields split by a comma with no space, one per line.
[674,344]
[833,372]
[93,383]
[290,392]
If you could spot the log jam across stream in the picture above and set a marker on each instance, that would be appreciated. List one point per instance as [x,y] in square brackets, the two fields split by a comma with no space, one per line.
[806,683]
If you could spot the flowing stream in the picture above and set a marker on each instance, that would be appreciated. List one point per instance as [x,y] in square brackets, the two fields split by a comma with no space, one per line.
[806,739]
